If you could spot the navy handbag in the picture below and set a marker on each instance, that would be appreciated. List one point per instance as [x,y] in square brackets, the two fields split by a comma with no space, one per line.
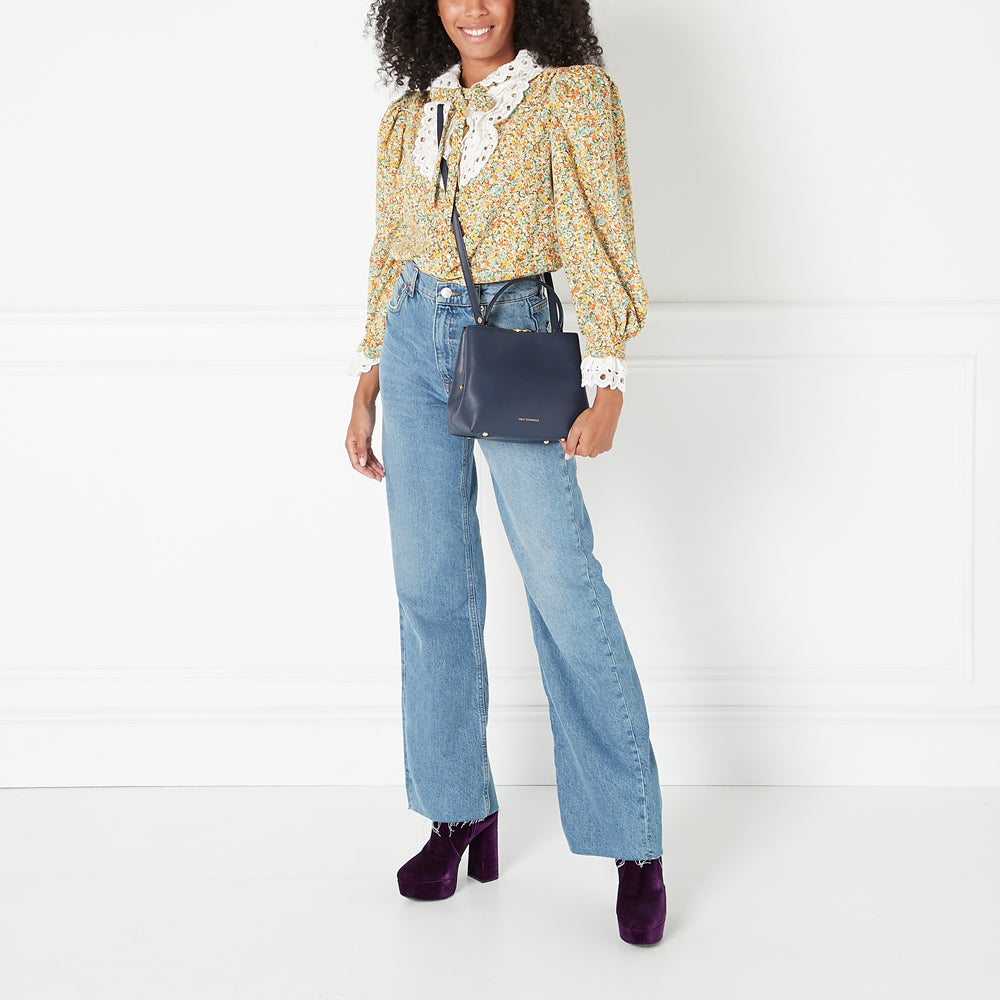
[512,385]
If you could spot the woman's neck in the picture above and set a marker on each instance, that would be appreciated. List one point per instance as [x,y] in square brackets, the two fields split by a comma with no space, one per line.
[476,70]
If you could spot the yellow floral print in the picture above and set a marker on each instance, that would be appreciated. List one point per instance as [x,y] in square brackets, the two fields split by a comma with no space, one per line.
[556,193]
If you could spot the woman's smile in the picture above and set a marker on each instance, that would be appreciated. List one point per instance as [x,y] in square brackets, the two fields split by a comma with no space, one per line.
[476,33]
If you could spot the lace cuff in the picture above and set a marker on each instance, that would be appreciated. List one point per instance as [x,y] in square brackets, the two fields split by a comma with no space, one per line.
[603,373]
[360,364]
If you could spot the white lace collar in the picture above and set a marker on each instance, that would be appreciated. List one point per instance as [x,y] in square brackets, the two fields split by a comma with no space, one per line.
[502,91]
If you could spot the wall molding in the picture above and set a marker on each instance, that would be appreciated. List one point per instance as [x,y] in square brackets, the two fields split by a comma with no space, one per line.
[757,715]
[650,362]
[351,312]
[306,746]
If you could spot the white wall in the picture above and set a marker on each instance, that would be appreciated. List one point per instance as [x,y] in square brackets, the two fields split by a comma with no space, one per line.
[799,519]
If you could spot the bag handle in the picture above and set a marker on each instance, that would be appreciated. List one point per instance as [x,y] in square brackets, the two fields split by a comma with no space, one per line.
[482,316]
[555,303]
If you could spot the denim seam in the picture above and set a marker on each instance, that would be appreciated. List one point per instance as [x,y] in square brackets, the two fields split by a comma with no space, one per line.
[411,282]
[614,662]
[434,344]
[467,456]
[406,761]
[402,288]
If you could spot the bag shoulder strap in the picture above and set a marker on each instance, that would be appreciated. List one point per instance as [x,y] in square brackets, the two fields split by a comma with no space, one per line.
[482,315]
[456,228]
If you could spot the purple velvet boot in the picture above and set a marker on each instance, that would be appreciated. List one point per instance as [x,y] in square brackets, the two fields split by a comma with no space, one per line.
[433,873]
[642,901]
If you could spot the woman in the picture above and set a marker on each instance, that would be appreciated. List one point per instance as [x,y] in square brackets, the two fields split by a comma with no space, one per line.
[535,141]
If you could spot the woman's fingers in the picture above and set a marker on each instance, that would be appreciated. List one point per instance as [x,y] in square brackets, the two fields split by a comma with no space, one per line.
[592,433]
[572,442]
[359,431]
[363,459]
[353,451]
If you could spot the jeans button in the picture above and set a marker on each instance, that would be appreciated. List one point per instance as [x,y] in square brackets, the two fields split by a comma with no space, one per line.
[446,293]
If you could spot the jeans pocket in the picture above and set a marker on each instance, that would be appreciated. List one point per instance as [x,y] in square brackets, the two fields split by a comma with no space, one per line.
[399,292]
[540,312]
[521,307]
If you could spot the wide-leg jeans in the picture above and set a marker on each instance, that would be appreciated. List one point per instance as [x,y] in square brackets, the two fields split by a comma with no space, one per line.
[608,789]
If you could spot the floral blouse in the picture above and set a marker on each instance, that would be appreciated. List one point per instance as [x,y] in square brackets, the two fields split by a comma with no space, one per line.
[539,157]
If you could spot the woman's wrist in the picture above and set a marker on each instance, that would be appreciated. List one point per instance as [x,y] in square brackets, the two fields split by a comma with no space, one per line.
[610,398]
[367,390]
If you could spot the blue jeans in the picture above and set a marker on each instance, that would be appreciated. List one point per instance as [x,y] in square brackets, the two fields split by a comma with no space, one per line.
[609,795]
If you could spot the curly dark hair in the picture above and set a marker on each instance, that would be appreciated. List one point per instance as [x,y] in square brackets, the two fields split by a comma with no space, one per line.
[414,48]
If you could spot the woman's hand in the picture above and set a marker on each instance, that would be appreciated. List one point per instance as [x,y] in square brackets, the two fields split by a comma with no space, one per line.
[359,430]
[593,432]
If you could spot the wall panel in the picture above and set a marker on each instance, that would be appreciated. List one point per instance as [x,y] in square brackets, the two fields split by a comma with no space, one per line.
[798,519]
[798,542]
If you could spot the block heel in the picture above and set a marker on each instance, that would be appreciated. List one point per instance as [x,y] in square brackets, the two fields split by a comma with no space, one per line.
[484,861]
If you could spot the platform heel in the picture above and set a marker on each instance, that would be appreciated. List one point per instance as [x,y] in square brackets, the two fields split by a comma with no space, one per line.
[642,901]
[433,873]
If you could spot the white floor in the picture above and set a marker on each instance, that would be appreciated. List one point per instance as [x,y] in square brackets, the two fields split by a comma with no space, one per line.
[289,894]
